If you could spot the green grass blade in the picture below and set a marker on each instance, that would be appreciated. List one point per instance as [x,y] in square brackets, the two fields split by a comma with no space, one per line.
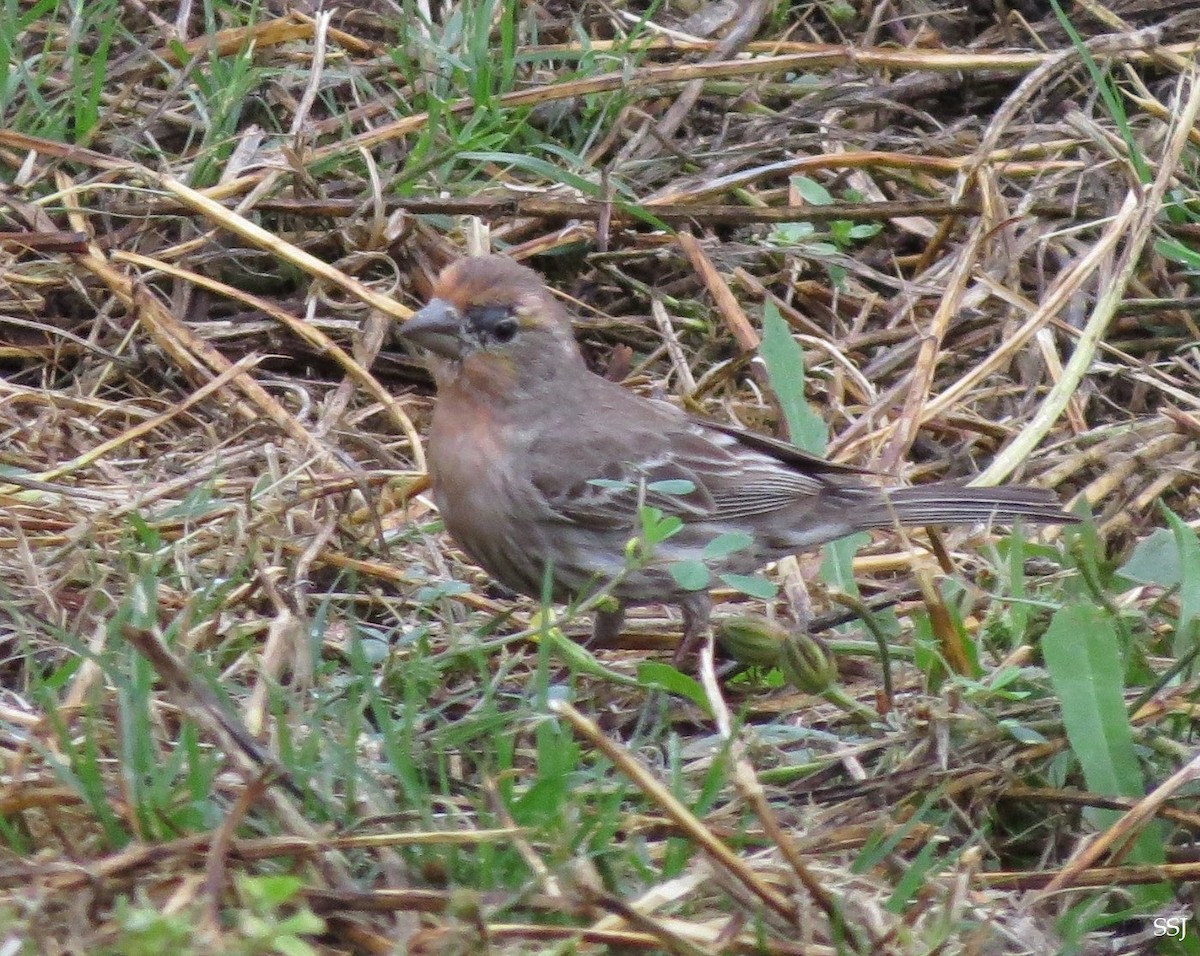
[1084,660]
[1188,545]
[1085,666]
[785,366]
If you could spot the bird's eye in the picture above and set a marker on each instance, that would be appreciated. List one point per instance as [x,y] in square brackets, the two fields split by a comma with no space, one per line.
[495,323]
[505,329]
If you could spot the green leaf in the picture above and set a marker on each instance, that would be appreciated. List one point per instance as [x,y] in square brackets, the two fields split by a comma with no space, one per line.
[865,230]
[147,537]
[270,892]
[840,230]
[811,191]
[291,946]
[442,589]
[792,233]
[1084,661]
[884,840]
[689,575]
[673,681]
[753,584]
[1017,610]
[143,594]
[837,563]
[1085,666]
[657,525]
[672,486]
[726,544]
[1188,546]
[579,658]
[1021,732]
[613,484]
[1103,83]
[785,366]
[918,874]
[1176,251]
[1003,676]
[667,526]
[1155,560]
[535,167]
[180,51]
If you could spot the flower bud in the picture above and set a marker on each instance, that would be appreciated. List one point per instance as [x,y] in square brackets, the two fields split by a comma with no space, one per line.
[807,663]
[751,639]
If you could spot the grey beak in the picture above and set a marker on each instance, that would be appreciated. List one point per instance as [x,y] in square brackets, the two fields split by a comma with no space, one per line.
[436,327]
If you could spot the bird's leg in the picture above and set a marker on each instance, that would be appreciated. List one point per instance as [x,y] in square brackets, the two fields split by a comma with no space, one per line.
[606,627]
[696,608]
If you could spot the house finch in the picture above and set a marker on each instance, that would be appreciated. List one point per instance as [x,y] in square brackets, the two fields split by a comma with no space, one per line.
[540,468]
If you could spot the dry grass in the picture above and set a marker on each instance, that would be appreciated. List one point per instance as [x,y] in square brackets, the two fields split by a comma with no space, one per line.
[237,645]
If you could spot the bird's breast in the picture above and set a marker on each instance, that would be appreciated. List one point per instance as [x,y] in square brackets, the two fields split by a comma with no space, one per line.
[466,452]
[480,492]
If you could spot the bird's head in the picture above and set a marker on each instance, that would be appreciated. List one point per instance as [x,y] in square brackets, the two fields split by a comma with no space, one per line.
[493,317]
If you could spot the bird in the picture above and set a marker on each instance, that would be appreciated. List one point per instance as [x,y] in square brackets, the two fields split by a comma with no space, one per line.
[541,468]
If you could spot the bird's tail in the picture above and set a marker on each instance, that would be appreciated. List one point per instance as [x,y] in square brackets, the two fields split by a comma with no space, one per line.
[948,503]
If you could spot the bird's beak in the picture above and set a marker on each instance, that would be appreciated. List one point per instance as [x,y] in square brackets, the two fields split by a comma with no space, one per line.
[436,327]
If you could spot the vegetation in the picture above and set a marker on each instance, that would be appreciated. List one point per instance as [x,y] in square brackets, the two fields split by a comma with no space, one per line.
[253,701]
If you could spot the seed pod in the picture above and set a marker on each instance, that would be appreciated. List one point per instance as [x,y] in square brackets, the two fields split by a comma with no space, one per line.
[751,639]
[807,663]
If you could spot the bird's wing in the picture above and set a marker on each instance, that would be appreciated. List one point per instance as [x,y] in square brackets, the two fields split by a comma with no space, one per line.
[782,451]
[769,475]
[602,484]
[683,466]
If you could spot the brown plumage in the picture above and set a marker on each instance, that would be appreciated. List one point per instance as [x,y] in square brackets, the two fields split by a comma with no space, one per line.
[536,462]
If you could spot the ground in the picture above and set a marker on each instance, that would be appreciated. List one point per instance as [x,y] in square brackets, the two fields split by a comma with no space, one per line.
[253,700]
